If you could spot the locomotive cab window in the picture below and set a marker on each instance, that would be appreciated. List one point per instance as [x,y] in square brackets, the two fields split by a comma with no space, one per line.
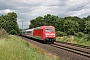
[49,30]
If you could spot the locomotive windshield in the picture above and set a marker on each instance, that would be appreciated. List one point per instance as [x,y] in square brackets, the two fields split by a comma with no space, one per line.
[49,29]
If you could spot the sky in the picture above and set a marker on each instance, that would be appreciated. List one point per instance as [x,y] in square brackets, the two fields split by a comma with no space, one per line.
[30,9]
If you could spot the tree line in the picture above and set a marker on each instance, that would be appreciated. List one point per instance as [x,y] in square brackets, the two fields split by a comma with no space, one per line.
[64,26]
[70,25]
[9,23]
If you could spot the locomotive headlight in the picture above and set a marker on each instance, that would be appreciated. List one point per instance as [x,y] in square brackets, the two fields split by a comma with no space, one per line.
[54,36]
[46,36]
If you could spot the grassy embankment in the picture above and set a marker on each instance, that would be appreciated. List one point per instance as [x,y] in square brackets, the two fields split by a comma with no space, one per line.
[14,48]
[75,40]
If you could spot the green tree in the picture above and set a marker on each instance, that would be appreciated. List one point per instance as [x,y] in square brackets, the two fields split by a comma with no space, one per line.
[87,26]
[39,21]
[71,27]
[9,22]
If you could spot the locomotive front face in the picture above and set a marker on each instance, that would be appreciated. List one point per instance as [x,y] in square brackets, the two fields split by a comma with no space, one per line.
[50,34]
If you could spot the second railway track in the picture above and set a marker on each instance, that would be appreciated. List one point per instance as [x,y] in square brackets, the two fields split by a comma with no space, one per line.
[73,48]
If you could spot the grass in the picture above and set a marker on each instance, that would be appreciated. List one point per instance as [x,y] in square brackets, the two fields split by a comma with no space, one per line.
[74,39]
[14,48]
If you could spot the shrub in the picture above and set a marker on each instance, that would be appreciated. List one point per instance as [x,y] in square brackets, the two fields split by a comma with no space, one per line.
[59,33]
[0,35]
[13,32]
[79,34]
[3,33]
[88,36]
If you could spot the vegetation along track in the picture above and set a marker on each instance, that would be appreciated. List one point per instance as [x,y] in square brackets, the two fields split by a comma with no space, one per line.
[78,49]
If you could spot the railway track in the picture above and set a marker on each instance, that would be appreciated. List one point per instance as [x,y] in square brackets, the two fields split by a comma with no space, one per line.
[82,46]
[78,49]
[63,50]
[75,48]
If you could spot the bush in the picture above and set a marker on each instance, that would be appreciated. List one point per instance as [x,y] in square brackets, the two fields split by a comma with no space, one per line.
[3,33]
[59,33]
[0,35]
[88,36]
[79,34]
[13,32]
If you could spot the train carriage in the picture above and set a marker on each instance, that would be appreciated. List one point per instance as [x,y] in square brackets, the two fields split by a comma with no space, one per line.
[45,33]
[28,33]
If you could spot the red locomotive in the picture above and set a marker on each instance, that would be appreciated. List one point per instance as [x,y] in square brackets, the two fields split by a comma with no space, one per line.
[45,33]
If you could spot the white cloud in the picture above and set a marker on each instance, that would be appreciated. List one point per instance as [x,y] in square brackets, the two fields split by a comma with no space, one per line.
[5,11]
[30,9]
[81,13]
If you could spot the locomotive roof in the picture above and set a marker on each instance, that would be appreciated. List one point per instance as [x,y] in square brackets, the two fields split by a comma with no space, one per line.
[43,27]
[39,28]
[29,30]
